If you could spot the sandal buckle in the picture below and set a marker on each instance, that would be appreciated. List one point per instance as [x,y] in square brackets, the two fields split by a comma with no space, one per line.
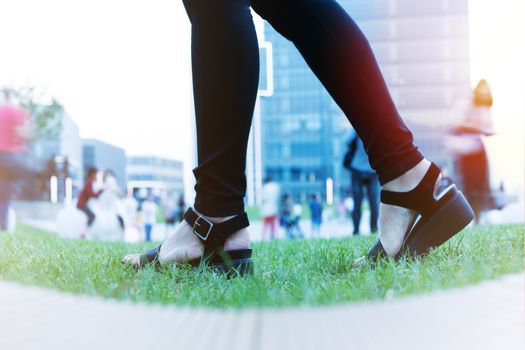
[200,223]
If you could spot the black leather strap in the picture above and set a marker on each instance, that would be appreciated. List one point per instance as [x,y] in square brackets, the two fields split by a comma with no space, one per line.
[214,235]
[421,198]
[377,251]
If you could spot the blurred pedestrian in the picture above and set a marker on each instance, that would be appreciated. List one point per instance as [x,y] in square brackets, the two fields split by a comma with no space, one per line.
[290,217]
[348,206]
[88,193]
[149,212]
[181,207]
[15,131]
[111,184]
[130,210]
[363,178]
[174,210]
[112,196]
[170,212]
[473,122]
[316,214]
[270,207]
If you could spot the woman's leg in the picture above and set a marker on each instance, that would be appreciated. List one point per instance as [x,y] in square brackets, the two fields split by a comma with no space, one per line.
[147,232]
[273,224]
[89,214]
[5,194]
[266,223]
[4,211]
[225,59]
[339,55]
[225,63]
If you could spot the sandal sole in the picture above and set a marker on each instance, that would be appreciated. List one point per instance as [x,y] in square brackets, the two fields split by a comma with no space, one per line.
[235,263]
[237,268]
[449,220]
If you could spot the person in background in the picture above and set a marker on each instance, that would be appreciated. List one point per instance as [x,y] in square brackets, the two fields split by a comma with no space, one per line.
[348,203]
[270,207]
[15,131]
[170,213]
[113,194]
[474,123]
[111,184]
[363,177]
[181,207]
[139,219]
[149,212]
[130,209]
[316,214]
[88,193]
[290,217]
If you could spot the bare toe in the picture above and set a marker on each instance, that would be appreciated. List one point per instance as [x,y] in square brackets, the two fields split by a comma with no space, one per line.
[132,260]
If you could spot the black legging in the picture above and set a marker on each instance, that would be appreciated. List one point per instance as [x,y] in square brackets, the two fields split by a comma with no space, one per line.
[225,79]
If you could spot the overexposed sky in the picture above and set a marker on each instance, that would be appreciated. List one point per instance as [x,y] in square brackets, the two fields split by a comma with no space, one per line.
[497,32]
[122,68]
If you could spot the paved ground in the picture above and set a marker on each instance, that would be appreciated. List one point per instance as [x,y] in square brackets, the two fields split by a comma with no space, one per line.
[485,316]
[330,228]
[513,213]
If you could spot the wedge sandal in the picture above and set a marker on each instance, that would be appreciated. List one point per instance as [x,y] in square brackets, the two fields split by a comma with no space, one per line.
[439,218]
[213,236]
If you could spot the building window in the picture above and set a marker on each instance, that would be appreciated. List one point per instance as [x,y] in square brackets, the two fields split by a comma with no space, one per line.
[313,124]
[295,174]
[305,149]
[276,173]
[274,150]
[285,104]
[289,126]
[88,156]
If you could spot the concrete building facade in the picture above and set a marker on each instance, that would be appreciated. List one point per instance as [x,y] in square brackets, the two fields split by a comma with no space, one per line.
[60,162]
[105,156]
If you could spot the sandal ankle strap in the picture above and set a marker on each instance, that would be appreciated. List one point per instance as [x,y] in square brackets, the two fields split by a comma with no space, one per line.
[421,198]
[214,235]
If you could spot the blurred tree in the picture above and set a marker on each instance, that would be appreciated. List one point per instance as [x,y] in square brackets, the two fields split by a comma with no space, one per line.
[46,115]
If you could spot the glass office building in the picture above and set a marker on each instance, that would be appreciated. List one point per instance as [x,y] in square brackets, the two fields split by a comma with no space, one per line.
[423,50]
[160,176]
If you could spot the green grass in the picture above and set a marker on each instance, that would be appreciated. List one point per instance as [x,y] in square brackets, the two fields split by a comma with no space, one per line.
[287,272]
